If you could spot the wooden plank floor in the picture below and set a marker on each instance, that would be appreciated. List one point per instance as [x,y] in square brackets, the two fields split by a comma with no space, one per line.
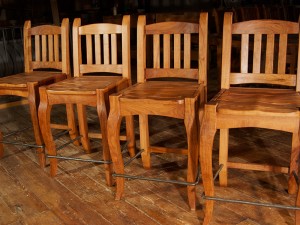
[79,195]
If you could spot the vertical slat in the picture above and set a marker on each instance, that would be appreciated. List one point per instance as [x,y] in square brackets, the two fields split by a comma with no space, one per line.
[282,53]
[270,53]
[50,48]
[37,48]
[106,48]
[89,49]
[156,51]
[187,51]
[244,53]
[177,50]
[44,48]
[97,49]
[56,47]
[257,53]
[113,48]
[167,51]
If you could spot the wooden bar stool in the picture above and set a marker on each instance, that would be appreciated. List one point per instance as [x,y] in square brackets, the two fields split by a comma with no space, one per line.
[180,94]
[101,56]
[262,96]
[46,61]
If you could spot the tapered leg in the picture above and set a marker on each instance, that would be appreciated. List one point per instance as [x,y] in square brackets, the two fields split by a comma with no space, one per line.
[193,156]
[102,114]
[130,135]
[207,134]
[294,164]
[144,141]
[297,212]
[72,123]
[113,132]
[223,156]
[33,101]
[44,119]
[83,127]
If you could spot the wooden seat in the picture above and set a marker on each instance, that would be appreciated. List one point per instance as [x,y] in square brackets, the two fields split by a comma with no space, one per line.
[161,92]
[46,61]
[263,96]
[101,54]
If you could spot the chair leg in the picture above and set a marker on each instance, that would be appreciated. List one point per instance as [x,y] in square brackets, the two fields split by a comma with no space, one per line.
[102,114]
[83,127]
[130,135]
[113,132]
[44,119]
[1,145]
[193,156]
[294,164]
[72,123]
[33,101]
[207,133]
[223,156]
[144,141]
[297,212]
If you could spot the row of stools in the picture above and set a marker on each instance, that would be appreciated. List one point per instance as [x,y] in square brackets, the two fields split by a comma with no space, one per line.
[170,82]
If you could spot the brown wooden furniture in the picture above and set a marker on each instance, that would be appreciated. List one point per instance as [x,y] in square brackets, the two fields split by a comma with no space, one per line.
[160,91]
[264,96]
[98,71]
[46,60]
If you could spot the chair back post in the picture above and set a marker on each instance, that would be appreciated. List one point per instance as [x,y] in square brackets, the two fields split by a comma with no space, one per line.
[77,59]
[141,47]
[226,50]
[125,48]
[65,47]
[203,43]
[27,46]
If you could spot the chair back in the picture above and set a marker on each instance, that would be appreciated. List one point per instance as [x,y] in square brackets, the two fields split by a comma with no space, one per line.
[47,47]
[102,48]
[164,49]
[268,42]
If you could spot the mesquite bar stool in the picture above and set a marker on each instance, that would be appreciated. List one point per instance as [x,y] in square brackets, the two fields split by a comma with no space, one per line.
[171,96]
[101,67]
[268,97]
[46,61]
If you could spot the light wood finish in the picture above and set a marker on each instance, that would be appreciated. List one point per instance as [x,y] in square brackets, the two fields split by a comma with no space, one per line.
[163,94]
[45,47]
[95,51]
[252,105]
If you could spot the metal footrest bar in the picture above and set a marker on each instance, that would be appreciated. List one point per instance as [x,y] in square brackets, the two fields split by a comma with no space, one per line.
[160,180]
[67,143]
[252,203]
[272,205]
[133,158]
[23,144]
[80,159]
[60,134]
